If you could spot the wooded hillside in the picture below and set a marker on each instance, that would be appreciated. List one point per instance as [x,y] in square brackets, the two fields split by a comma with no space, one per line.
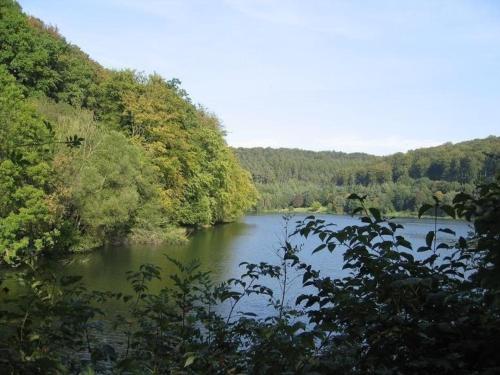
[399,182]
[151,160]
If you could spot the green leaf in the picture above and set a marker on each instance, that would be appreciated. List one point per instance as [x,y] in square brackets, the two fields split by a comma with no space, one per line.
[407,256]
[190,360]
[461,197]
[462,243]
[357,210]
[401,241]
[423,209]
[429,238]
[319,248]
[447,230]
[34,337]
[450,211]
[375,213]
[249,314]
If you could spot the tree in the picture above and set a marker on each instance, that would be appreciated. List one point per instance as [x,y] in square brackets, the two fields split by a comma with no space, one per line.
[29,216]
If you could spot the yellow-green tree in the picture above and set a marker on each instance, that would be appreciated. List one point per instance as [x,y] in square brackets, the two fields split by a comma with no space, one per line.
[199,172]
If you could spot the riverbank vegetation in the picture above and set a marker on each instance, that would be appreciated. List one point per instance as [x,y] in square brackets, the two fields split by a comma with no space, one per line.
[90,155]
[396,184]
[149,162]
[389,307]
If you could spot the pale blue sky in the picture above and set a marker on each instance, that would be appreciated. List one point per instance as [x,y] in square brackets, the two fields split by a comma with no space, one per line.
[373,76]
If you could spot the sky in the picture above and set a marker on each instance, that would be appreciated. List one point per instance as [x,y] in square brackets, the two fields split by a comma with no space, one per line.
[355,76]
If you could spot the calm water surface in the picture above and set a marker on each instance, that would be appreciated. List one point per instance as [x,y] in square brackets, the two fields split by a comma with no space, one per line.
[254,238]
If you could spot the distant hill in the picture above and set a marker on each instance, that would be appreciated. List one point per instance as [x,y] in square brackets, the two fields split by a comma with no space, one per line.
[294,177]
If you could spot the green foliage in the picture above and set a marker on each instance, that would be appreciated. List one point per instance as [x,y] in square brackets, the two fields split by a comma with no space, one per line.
[110,191]
[203,183]
[395,183]
[402,312]
[142,161]
[48,324]
[29,217]
[388,308]
[42,61]
[484,210]
[151,160]
[108,184]
[315,206]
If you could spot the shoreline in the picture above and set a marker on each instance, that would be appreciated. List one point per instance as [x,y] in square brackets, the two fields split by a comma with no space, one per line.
[324,211]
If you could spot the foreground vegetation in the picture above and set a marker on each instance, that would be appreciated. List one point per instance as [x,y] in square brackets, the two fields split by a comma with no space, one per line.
[399,183]
[394,309]
[150,160]
[89,156]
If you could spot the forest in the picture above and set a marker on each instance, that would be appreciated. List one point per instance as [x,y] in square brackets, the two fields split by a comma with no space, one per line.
[397,184]
[90,155]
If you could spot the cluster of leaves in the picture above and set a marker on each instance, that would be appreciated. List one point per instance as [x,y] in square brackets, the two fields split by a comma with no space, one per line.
[47,322]
[392,310]
[396,183]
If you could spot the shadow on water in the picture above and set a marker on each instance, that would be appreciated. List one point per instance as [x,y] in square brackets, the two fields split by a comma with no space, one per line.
[105,269]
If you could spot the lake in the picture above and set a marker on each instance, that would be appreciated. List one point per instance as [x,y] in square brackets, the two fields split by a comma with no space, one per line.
[221,249]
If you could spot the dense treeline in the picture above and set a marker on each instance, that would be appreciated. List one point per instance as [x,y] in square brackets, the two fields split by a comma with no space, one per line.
[151,160]
[397,183]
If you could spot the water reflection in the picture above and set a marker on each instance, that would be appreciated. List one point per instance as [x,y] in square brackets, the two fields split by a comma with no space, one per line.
[221,249]
[105,269]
